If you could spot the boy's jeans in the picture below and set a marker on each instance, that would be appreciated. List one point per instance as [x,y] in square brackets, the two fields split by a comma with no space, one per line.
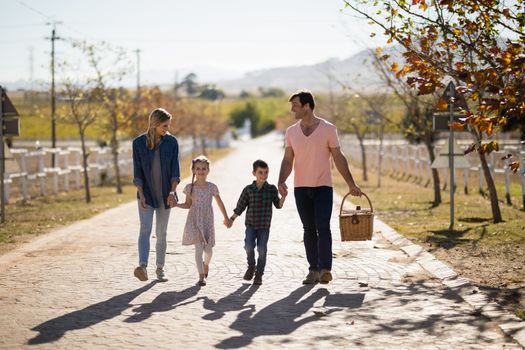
[146,222]
[314,205]
[256,237]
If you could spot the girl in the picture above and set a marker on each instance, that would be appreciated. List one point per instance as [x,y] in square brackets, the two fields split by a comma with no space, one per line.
[156,175]
[199,229]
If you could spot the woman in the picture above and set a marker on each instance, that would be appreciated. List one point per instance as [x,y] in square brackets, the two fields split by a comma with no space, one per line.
[156,174]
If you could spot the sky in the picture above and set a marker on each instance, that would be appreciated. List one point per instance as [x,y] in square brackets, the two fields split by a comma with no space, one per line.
[217,39]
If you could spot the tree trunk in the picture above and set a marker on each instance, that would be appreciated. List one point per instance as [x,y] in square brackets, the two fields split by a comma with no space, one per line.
[114,151]
[496,213]
[85,165]
[435,173]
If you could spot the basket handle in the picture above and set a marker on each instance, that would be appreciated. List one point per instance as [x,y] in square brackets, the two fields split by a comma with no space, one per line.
[343,201]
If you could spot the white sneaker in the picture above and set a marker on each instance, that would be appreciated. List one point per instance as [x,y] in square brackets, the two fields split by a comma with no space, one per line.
[161,275]
[141,273]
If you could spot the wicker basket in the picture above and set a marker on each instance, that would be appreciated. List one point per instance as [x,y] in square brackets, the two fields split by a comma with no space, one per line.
[358,224]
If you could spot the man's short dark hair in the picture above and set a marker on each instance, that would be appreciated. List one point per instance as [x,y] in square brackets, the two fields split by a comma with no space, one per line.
[259,164]
[305,97]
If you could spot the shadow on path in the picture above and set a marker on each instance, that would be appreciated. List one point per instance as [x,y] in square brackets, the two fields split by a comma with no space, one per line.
[235,301]
[55,328]
[165,301]
[285,316]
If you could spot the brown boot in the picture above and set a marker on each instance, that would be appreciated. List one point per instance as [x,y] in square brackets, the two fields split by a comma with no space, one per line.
[325,276]
[248,275]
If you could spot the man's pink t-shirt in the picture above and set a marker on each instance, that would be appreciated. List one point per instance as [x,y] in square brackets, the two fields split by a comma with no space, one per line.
[312,166]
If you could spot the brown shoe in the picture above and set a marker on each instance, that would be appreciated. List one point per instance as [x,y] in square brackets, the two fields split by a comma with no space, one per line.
[311,278]
[258,279]
[248,275]
[325,276]
[141,273]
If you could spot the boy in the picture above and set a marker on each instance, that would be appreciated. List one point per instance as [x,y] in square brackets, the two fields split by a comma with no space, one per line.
[258,197]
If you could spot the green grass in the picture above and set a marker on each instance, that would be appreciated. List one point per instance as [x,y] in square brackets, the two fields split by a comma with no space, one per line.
[490,255]
[42,214]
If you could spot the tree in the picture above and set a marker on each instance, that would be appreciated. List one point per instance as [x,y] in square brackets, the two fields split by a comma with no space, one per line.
[109,65]
[416,123]
[189,83]
[249,111]
[210,92]
[461,40]
[82,111]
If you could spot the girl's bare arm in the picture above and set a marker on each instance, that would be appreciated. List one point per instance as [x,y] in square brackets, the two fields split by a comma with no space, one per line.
[221,206]
[186,204]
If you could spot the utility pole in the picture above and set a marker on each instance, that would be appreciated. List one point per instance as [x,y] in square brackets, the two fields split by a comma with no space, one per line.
[53,102]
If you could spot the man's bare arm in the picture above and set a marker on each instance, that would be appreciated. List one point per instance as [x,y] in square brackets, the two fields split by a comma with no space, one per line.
[342,166]
[286,168]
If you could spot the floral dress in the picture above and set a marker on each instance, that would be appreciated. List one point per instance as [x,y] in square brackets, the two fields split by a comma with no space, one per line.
[199,224]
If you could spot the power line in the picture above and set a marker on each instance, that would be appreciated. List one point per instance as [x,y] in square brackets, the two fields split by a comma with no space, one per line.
[35,10]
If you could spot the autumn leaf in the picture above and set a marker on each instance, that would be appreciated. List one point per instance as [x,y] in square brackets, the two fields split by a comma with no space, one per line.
[514,166]
[508,156]
[457,126]
[442,104]
[394,67]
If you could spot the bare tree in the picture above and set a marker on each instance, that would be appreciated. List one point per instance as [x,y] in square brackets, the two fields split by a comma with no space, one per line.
[81,111]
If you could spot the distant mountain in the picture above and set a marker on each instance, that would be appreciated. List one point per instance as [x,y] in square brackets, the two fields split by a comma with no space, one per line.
[357,71]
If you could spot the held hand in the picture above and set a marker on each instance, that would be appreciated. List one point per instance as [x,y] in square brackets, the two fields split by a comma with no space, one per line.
[227,222]
[355,190]
[172,199]
[142,202]
[283,189]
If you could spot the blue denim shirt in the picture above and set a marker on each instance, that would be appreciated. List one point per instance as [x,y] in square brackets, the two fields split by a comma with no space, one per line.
[169,166]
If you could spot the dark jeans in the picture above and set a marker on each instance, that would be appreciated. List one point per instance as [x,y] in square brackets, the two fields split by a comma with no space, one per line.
[256,237]
[314,205]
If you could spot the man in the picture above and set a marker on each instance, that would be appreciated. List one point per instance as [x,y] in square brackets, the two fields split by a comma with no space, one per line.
[309,145]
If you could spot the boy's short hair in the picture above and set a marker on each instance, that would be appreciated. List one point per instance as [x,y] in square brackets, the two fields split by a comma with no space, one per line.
[259,164]
[305,97]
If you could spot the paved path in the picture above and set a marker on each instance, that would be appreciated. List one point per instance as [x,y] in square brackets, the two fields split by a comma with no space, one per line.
[74,289]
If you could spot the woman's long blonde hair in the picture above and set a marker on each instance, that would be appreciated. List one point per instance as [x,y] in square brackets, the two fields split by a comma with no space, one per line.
[199,159]
[156,117]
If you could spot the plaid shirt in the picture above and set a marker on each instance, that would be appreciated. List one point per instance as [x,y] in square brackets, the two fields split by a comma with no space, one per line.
[259,203]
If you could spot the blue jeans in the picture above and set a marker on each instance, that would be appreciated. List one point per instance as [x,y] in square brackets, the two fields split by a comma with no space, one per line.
[314,205]
[146,223]
[256,237]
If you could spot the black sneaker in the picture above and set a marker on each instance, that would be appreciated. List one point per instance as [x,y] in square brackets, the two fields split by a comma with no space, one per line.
[248,275]
[258,279]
